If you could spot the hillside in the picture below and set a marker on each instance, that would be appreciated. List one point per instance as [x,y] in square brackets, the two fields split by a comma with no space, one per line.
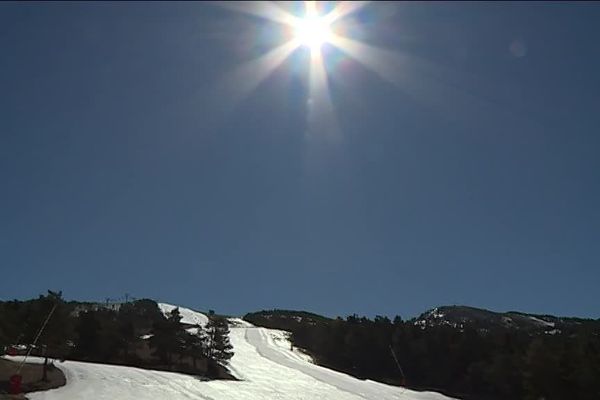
[140,333]
[263,364]
[286,320]
[477,318]
[461,351]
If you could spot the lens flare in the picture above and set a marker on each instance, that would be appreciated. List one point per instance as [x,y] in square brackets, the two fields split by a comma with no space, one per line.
[312,31]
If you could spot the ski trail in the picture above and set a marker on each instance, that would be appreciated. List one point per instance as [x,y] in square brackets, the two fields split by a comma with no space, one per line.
[263,361]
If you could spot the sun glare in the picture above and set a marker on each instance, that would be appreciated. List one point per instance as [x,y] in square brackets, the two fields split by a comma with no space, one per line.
[312,31]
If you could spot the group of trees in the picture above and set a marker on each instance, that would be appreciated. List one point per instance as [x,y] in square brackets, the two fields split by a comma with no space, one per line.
[171,341]
[498,363]
[463,362]
[136,333]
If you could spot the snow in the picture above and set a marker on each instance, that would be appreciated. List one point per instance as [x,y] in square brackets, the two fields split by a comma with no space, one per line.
[187,316]
[264,363]
[542,322]
[193,331]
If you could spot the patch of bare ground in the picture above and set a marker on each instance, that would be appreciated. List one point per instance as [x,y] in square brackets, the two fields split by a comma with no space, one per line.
[32,378]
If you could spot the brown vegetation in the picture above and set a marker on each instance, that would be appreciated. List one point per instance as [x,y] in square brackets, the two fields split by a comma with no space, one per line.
[32,377]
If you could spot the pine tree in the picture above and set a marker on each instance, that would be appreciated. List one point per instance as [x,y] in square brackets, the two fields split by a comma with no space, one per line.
[195,345]
[126,328]
[168,337]
[88,332]
[219,349]
[126,334]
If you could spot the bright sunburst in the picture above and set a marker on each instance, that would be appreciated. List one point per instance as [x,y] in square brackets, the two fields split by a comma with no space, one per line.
[311,29]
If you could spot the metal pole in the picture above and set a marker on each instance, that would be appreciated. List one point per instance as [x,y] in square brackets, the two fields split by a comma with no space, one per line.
[398,364]
[37,337]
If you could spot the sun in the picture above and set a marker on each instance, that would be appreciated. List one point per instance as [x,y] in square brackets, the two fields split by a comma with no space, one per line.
[320,24]
[312,31]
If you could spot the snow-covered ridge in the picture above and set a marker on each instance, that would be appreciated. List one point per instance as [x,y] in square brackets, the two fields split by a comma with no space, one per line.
[541,321]
[188,316]
[264,362]
[460,317]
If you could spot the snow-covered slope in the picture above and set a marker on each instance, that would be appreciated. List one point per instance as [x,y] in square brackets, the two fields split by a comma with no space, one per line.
[463,316]
[187,316]
[263,361]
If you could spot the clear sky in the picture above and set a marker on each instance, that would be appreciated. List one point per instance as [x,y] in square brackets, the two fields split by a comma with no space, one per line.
[462,165]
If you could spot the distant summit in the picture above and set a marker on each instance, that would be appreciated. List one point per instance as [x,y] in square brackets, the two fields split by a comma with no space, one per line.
[463,316]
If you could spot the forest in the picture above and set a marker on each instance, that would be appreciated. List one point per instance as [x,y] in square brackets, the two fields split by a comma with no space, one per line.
[466,362]
[133,333]
[469,361]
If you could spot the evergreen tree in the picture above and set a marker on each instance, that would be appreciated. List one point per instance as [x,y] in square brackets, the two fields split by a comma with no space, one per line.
[126,329]
[167,339]
[196,345]
[88,333]
[219,349]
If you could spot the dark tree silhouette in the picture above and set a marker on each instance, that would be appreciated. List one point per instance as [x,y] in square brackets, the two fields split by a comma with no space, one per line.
[167,337]
[219,350]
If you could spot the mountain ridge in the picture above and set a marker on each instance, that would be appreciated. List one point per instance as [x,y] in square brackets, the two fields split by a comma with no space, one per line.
[461,316]
[457,316]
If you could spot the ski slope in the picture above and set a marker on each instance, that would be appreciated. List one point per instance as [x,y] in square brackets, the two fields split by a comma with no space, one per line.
[187,316]
[263,362]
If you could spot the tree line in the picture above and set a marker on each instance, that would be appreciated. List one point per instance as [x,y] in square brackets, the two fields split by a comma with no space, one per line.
[136,334]
[467,363]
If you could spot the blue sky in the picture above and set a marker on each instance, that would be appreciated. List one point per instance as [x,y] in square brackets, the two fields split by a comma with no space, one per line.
[474,178]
